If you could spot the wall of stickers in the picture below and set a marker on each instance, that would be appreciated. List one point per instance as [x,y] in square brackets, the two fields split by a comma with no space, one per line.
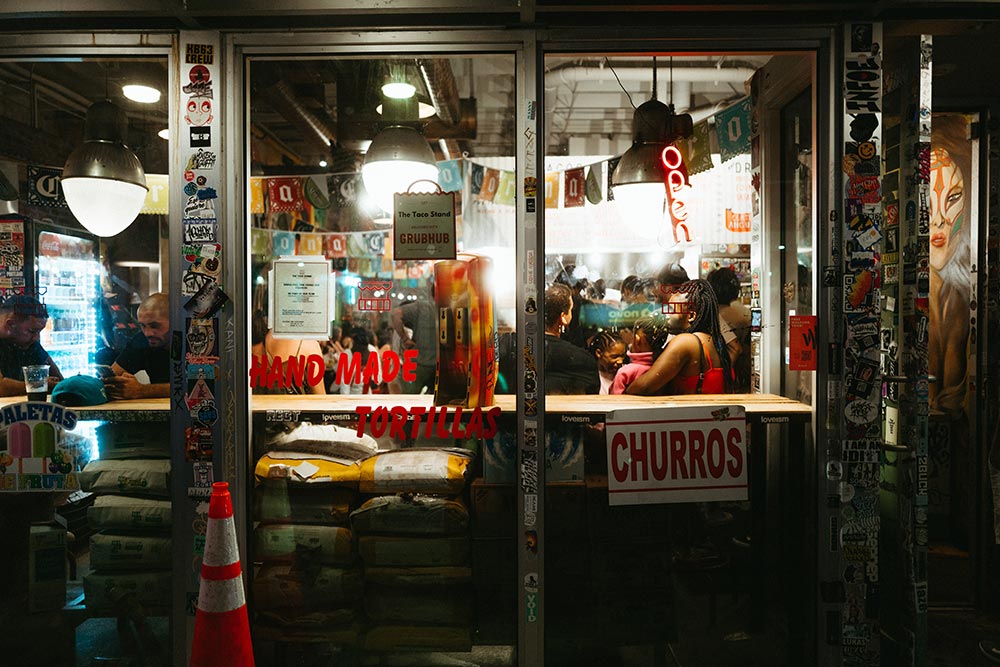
[197,383]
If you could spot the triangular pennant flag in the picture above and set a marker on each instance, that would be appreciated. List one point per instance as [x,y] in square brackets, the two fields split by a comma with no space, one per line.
[594,195]
[257,195]
[476,175]
[284,243]
[491,183]
[156,197]
[374,244]
[310,244]
[507,190]
[701,149]
[552,190]
[450,175]
[284,194]
[260,242]
[732,126]
[576,187]
[612,165]
[336,246]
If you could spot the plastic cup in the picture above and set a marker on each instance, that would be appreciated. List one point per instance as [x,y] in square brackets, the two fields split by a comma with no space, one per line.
[36,381]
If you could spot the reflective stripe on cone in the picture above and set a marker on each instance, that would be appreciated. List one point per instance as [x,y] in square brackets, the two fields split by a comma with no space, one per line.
[221,628]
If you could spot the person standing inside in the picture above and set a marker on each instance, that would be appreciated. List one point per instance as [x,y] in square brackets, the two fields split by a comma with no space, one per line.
[568,369]
[695,360]
[420,318]
[142,370]
[726,284]
[22,318]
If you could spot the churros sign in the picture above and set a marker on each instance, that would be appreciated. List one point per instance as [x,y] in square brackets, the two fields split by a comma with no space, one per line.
[677,455]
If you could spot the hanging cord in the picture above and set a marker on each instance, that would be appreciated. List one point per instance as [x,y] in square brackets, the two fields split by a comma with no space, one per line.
[608,63]
[670,104]
[654,78]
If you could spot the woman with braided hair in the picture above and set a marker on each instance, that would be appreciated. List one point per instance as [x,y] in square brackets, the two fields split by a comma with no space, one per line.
[695,360]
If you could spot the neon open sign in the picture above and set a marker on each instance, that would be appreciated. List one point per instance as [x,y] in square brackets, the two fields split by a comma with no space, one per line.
[677,181]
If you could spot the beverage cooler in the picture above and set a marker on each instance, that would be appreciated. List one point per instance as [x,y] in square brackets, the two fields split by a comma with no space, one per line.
[68,275]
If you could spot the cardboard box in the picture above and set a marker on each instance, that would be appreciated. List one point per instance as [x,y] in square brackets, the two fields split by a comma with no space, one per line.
[46,567]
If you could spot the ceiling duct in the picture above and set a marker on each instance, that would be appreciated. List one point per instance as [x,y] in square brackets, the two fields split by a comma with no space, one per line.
[443,91]
[640,72]
[314,129]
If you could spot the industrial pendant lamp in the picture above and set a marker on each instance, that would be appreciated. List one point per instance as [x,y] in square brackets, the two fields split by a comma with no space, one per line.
[103,180]
[398,155]
[639,180]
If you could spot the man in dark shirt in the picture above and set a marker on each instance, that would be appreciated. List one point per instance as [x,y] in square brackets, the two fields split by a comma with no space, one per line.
[420,317]
[22,318]
[142,370]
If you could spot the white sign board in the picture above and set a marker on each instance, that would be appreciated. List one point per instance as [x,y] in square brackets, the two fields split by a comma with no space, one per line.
[677,455]
[301,293]
[424,226]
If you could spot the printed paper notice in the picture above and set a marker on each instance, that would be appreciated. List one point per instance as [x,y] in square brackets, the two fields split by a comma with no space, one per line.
[300,297]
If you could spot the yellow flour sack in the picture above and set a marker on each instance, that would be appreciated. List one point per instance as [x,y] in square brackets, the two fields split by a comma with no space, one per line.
[415,471]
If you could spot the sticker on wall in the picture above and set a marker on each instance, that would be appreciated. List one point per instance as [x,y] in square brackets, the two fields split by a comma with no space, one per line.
[202,338]
[200,230]
[201,137]
[197,443]
[203,477]
[199,54]
[198,110]
[200,82]
[207,300]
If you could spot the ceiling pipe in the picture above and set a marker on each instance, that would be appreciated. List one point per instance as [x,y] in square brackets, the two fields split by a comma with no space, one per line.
[282,99]
[443,90]
[576,74]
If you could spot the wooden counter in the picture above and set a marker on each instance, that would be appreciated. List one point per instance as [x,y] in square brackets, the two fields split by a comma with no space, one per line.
[763,407]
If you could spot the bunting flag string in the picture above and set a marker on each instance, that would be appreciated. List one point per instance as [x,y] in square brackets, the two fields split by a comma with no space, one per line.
[310,201]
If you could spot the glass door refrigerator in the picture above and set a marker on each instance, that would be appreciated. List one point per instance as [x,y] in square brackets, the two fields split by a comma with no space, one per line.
[68,275]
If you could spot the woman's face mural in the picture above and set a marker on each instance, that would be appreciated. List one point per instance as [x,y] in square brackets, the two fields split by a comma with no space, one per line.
[947,204]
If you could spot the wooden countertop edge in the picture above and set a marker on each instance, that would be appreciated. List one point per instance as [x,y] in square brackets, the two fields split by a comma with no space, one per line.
[752,403]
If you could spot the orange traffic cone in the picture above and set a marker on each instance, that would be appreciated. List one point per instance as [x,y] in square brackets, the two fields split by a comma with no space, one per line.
[221,628]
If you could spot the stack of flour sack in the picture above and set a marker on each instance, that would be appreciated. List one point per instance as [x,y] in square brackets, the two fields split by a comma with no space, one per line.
[390,576]
[308,582]
[130,550]
[413,536]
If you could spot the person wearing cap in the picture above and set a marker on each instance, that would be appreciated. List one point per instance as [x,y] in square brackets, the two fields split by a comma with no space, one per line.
[142,370]
[22,318]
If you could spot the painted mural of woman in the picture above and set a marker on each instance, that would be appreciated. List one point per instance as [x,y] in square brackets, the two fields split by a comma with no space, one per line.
[950,259]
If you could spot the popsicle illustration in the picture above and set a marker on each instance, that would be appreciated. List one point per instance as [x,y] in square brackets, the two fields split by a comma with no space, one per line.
[19,440]
[43,441]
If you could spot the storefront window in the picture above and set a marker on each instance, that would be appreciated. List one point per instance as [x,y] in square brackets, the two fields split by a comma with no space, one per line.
[654,228]
[84,490]
[382,289]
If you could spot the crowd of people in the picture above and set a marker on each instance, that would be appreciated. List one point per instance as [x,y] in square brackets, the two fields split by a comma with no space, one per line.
[691,336]
[140,370]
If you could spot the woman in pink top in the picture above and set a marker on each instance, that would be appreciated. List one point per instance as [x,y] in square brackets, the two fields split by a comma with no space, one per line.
[649,335]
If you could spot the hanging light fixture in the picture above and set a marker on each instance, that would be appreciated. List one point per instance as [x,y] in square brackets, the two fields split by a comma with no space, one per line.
[399,86]
[398,155]
[103,180]
[141,93]
[639,180]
